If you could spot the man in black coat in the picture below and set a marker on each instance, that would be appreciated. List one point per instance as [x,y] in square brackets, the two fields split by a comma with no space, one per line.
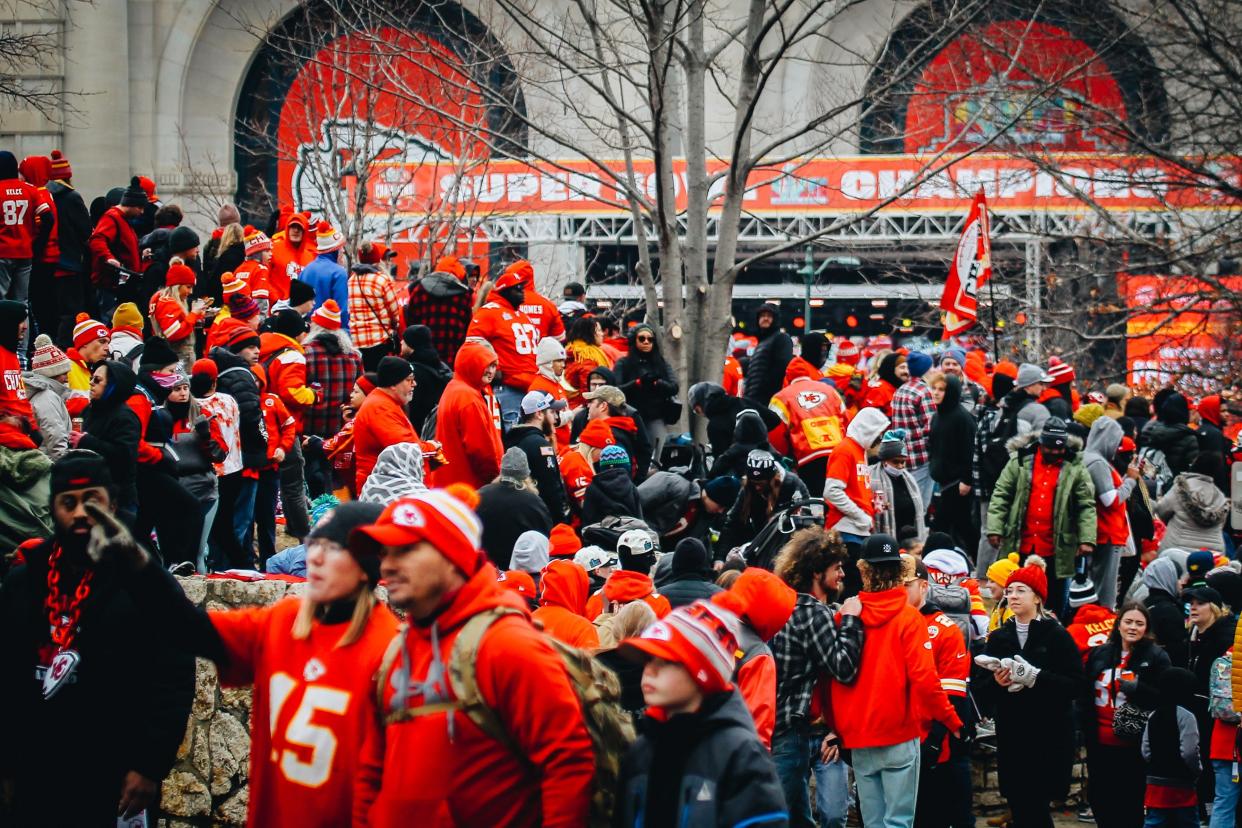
[612,492]
[692,575]
[96,703]
[765,373]
[707,399]
[508,507]
[237,490]
[533,436]
[431,375]
[73,233]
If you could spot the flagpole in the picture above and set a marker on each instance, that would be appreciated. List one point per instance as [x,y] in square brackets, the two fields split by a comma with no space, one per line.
[996,357]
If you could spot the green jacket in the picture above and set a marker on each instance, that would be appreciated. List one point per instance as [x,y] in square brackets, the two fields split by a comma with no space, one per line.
[1073,509]
[25,497]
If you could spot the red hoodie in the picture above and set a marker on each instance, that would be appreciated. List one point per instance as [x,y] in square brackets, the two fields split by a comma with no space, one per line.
[897,668]
[1091,627]
[562,610]
[458,776]
[466,424]
[624,586]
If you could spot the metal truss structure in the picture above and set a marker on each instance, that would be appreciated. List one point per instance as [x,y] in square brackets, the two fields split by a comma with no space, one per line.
[836,229]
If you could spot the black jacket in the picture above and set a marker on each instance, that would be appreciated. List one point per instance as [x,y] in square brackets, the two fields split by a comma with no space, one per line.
[765,373]
[749,433]
[700,769]
[721,411]
[952,434]
[238,381]
[1147,660]
[210,281]
[610,493]
[545,469]
[506,513]
[431,377]
[630,674]
[1035,726]
[1172,435]
[113,430]
[1204,649]
[647,379]
[126,711]
[688,587]
[744,522]
[73,228]
[1168,625]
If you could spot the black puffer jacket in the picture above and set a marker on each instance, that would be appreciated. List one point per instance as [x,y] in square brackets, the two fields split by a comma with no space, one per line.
[113,430]
[700,769]
[647,380]
[431,377]
[611,492]
[721,411]
[73,228]
[126,710]
[765,373]
[236,379]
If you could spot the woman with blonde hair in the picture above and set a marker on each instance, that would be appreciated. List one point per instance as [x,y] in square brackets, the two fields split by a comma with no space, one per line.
[628,622]
[171,316]
[311,659]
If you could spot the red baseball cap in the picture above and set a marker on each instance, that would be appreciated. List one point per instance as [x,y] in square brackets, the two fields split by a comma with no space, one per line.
[434,516]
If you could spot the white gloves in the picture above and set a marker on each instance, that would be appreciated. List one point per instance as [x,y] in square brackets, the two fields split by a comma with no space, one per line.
[1021,671]
[988,662]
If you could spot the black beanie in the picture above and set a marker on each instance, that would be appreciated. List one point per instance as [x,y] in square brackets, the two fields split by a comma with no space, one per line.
[11,315]
[418,337]
[290,323]
[8,164]
[344,519]
[80,469]
[200,384]
[182,239]
[392,370]
[157,353]
[134,195]
[300,293]
[1055,434]
[813,345]
[689,556]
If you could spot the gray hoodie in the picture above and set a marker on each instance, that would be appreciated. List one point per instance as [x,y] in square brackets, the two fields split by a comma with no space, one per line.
[1102,443]
[866,427]
[1194,512]
[47,398]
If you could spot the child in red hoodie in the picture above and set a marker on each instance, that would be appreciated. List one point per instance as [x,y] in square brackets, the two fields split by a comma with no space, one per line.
[281,432]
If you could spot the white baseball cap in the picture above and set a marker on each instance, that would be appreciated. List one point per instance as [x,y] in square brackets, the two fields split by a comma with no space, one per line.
[536,401]
[592,558]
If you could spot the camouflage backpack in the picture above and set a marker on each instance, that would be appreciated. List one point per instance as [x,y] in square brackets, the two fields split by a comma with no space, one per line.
[597,689]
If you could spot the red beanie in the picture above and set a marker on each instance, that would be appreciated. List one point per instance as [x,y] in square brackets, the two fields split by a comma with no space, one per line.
[87,330]
[205,366]
[847,352]
[1060,371]
[179,274]
[524,270]
[148,187]
[597,434]
[563,541]
[451,264]
[434,516]
[518,581]
[60,171]
[1033,576]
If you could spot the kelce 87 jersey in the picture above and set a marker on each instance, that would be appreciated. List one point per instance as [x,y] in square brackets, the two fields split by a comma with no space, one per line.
[513,337]
[313,706]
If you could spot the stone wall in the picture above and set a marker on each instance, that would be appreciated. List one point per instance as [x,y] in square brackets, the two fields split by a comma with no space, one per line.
[209,785]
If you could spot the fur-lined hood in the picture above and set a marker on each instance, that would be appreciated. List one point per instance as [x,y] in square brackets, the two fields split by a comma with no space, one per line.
[1025,444]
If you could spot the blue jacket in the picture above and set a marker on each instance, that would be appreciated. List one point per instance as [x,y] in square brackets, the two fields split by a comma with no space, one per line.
[330,281]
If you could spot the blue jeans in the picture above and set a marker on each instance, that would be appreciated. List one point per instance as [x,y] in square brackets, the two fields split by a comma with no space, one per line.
[888,784]
[1173,817]
[832,789]
[243,512]
[791,753]
[1226,803]
[510,400]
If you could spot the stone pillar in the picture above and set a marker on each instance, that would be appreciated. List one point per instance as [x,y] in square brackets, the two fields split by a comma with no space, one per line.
[97,138]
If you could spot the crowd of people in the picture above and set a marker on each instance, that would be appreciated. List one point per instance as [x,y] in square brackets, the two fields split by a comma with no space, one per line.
[530,598]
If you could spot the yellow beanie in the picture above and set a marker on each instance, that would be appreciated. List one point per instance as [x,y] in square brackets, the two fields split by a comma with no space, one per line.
[127,316]
[1003,568]
[1088,414]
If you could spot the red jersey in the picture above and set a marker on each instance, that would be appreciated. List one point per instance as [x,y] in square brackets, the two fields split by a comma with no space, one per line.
[314,704]
[952,660]
[512,336]
[256,276]
[577,474]
[19,206]
[544,315]
[1107,696]
[13,396]
[732,378]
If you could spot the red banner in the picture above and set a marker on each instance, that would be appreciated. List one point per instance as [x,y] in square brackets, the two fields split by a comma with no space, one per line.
[970,270]
[1188,333]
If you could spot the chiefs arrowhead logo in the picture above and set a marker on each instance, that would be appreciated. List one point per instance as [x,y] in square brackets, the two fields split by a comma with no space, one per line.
[810,399]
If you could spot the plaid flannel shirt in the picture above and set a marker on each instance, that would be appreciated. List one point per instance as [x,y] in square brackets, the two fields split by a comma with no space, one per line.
[447,316]
[337,373]
[807,647]
[912,410]
[374,309]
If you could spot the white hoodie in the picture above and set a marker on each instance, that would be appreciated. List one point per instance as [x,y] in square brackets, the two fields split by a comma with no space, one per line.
[866,427]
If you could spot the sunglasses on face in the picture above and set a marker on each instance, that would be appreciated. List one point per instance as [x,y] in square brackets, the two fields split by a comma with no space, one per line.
[645,339]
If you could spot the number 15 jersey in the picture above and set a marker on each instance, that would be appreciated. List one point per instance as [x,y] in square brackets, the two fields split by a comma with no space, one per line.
[314,704]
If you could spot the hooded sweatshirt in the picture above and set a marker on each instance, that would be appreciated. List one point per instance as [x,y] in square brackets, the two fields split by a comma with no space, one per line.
[897,665]
[952,429]
[468,422]
[398,473]
[113,430]
[624,586]
[1111,491]
[380,423]
[562,610]
[847,483]
[749,432]
[1194,512]
[12,390]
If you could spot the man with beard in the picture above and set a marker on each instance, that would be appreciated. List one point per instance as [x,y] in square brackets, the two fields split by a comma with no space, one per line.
[97,704]
[533,435]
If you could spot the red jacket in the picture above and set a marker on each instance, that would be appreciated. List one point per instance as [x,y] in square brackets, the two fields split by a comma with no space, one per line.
[813,418]
[140,404]
[624,586]
[281,429]
[562,610]
[466,423]
[799,367]
[285,363]
[113,239]
[381,422]
[169,319]
[13,395]
[897,668]
[424,771]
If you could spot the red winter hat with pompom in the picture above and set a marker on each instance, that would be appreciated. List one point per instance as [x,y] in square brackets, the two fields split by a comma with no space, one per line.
[61,171]
[1034,576]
